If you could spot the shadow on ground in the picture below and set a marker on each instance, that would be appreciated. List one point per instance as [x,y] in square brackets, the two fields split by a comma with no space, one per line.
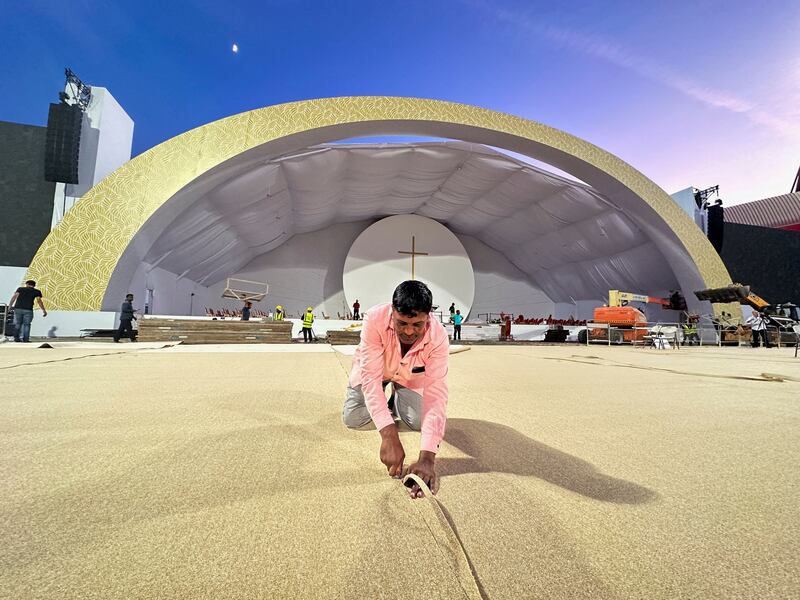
[495,448]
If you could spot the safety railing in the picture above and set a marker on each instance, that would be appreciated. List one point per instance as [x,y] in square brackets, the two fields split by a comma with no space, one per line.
[725,332]
[718,333]
[663,334]
[4,309]
[658,335]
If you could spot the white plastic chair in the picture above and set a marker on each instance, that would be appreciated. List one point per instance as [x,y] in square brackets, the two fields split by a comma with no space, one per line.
[663,337]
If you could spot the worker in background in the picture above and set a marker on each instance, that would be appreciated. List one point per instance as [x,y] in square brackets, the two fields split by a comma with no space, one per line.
[279,313]
[457,320]
[308,322]
[758,325]
[452,311]
[690,337]
[126,318]
[22,301]
[356,310]
[246,311]
[505,328]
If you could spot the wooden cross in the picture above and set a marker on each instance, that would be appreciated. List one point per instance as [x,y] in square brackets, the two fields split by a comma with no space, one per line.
[413,254]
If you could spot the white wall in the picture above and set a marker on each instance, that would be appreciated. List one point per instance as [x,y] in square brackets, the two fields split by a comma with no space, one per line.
[685,199]
[66,323]
[171,295]
[116,135]
[106,142]
[374,267]
[307,271]
[581,309]
[69,323]
[500,286]
[10,279]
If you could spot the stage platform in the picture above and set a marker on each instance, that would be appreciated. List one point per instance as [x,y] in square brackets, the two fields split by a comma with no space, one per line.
[205,330]
[208,331]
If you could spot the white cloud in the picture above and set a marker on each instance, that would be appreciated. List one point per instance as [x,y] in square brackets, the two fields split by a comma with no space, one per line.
[777,120]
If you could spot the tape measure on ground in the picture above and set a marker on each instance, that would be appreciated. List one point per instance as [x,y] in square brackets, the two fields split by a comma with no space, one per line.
[445,535]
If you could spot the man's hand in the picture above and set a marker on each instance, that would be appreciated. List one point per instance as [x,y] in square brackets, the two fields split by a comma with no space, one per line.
[424,469]
[392,453]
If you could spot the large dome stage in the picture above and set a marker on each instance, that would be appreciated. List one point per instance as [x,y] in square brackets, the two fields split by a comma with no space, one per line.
[270,195]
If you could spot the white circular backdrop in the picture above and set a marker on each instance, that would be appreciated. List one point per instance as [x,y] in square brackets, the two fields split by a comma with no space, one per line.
[374,268]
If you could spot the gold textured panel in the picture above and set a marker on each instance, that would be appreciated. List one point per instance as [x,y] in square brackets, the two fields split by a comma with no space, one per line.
[75,263]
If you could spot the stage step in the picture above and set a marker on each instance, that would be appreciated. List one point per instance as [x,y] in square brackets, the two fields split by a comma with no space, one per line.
[347,337]
[190,331]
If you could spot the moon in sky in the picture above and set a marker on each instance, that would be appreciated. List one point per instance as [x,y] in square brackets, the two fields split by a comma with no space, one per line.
[235,48]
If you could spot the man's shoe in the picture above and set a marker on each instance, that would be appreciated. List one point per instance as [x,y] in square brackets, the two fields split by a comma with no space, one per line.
[117,341]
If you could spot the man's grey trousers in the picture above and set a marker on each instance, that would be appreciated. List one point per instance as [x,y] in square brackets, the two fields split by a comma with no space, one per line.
[407,407]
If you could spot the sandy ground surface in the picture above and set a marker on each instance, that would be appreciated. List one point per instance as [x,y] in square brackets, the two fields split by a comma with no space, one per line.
[569,472]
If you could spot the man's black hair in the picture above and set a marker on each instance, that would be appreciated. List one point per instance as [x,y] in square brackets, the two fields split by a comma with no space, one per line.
[30,282]
[412,297]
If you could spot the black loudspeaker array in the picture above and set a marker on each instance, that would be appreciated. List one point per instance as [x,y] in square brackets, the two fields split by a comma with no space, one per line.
[63,143]
[716,226]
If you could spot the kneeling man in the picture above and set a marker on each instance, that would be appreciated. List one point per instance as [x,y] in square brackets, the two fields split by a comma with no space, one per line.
[402,344]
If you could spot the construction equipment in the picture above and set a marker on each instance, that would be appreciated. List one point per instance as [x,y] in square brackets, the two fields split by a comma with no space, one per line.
[742,294]
[733,293]
[676,300]
[783,317]
[626,323]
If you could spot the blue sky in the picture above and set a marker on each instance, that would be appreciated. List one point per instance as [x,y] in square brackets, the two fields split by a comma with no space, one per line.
[690,93]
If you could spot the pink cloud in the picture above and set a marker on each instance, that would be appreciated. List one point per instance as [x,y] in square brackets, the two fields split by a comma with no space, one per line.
[613,53]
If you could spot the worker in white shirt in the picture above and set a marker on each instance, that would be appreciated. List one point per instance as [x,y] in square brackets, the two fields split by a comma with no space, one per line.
[758,325]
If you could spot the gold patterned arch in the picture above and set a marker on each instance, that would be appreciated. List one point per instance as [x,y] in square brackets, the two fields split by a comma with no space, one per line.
[75,263]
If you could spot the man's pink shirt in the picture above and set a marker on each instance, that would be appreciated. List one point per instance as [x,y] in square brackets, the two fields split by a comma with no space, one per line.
[378,359]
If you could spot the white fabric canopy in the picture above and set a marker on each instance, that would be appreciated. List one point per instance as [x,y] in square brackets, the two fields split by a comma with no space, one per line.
[566,237]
